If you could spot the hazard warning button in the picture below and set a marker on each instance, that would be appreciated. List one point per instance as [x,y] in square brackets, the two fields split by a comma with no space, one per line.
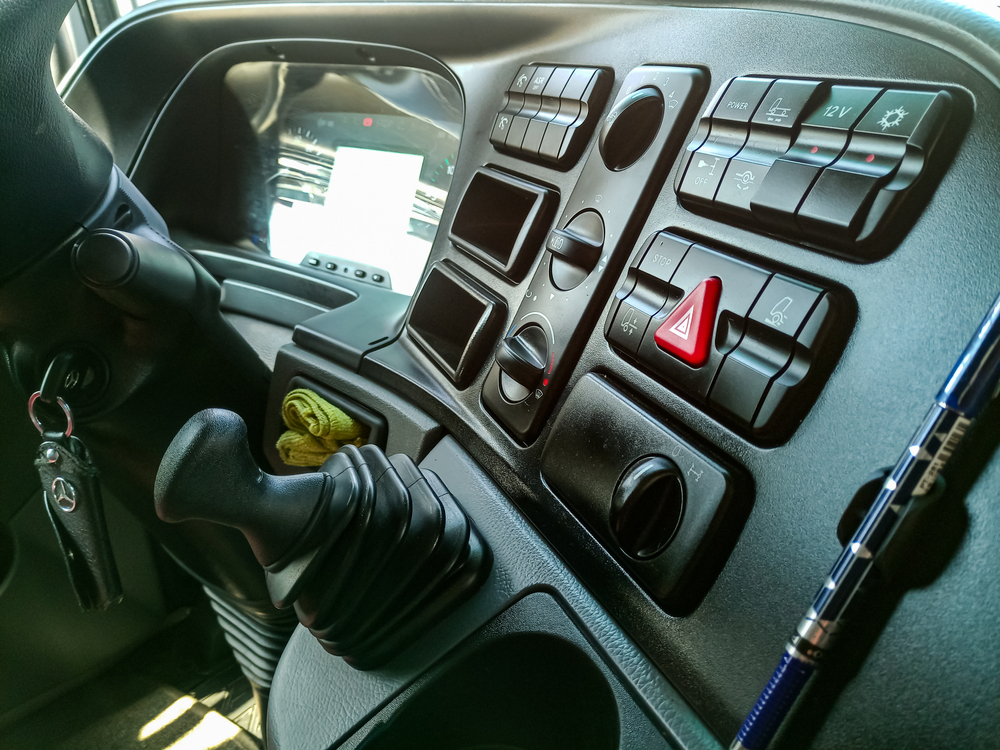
[687,331]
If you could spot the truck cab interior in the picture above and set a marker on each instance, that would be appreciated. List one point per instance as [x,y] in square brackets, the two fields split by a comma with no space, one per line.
[629,307]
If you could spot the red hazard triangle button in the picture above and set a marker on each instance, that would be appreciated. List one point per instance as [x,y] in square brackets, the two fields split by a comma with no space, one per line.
[687,331]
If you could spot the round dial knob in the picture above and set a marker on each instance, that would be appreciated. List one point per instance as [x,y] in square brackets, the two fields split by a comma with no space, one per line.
[575,249]
[630,128]
[647,507]
[522,359]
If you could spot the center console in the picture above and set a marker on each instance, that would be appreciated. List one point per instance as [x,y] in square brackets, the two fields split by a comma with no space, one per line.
[695,276]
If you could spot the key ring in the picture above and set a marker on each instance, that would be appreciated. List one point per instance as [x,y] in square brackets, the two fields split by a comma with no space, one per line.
[62,405]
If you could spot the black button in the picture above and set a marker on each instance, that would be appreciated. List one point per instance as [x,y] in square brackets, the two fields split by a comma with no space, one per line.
[360,274]
[740,183]
[378,278]
[515,134]
[331,266]
[874,155]
[781,192]
[500,128]
[842,107]
[577,84]
[538,81]
[647,507]
[780,406]
[628,327]
[312,261]
[552,141]
[746,374]
[532,142]
[557,82]
[663,256]
[817,146]
[837,202]
[740,101]
[522,79]
[704,173]
[579,249]
[631,127]
[784,304]
[556,143]
[784,103]
[897,113]
[569,111]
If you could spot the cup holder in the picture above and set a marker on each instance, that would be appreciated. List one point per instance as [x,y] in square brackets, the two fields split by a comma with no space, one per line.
[525,691]
[530,680]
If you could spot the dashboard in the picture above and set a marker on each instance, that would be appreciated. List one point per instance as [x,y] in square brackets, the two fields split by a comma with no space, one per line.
[682,278]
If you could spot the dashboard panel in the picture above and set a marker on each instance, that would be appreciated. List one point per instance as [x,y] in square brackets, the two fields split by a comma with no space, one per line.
[899,319]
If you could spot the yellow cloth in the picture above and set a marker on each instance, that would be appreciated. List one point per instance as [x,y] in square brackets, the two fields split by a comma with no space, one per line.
[316,429]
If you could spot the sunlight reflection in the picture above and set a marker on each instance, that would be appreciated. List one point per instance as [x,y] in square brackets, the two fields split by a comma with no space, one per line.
[169,715]
[210,732]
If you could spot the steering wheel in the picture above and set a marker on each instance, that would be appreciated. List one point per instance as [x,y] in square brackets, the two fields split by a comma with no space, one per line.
[157,359]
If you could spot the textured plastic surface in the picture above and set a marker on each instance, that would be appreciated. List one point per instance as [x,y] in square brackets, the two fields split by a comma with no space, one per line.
[909,332]
[316,701]
[529,679]
[596,438]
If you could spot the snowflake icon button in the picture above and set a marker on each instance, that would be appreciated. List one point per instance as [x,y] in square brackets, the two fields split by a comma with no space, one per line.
[898,113]
[893,118]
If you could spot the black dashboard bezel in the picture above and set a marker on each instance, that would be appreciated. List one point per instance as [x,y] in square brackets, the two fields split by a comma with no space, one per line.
[746,610]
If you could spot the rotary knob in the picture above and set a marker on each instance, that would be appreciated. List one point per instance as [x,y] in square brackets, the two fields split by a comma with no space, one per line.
[630,128]
[575,249]
[522,359]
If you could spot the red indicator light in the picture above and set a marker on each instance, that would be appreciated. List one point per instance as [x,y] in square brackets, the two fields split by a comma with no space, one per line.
[870,158]
[545,382]
[367,122]
[814,149]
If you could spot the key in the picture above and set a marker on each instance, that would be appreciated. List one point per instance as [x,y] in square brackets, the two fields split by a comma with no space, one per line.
[72,495]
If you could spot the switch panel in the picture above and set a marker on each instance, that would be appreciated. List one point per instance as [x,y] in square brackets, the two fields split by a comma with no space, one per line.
[583,257]
[814,161]
[751,345]
[549,113]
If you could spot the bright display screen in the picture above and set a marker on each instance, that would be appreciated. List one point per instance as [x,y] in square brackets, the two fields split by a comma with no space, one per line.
[356,162]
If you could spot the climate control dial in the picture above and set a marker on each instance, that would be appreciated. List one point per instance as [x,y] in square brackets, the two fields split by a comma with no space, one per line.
[522,359]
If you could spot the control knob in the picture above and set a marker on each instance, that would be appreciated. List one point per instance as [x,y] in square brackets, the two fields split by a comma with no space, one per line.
[575,249]
[630,128]
[522,358]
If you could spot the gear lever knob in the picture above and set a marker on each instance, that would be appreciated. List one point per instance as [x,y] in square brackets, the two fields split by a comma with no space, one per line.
[209,474]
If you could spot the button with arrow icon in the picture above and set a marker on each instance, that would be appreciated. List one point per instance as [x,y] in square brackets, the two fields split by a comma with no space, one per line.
[703,175]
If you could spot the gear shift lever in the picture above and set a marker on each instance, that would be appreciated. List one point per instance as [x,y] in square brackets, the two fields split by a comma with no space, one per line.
[371,551]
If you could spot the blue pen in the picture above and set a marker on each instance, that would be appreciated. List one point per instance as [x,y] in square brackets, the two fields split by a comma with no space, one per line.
[970,386]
